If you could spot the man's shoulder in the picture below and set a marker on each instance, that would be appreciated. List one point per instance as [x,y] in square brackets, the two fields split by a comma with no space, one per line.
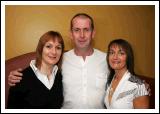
[99,52]
[68,52]
[96,51]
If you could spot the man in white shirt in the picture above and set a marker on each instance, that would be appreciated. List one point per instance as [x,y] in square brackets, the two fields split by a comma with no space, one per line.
[84,69]
[84,81]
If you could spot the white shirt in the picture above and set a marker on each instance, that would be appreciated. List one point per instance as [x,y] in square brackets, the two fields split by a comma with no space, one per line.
[128,89]
[42,77]
[84,81]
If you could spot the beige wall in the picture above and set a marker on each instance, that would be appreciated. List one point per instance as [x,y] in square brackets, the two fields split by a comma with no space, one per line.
[25,24]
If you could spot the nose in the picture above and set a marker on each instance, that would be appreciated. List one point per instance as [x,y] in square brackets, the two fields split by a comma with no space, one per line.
[115,56]
[54,51]
[82,34]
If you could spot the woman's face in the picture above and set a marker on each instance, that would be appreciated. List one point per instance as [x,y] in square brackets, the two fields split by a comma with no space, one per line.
[117,57]
[51,53]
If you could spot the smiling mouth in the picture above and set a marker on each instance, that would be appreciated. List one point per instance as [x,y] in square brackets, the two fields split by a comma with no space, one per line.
[52,57]
[82,41]
[116,62]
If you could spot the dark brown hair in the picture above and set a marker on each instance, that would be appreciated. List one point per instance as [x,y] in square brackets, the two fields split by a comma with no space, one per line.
[130,57]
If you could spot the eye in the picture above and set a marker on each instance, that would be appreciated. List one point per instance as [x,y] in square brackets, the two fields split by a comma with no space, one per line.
[121,52]
[87,29]
[75,30]
[59,47]
[48,46]
[110,52]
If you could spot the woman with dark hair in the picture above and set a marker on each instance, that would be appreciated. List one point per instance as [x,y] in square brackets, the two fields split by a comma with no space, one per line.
[41,85]
[124,89]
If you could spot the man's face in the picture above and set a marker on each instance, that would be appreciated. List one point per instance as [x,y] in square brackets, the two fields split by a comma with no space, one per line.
[82,32]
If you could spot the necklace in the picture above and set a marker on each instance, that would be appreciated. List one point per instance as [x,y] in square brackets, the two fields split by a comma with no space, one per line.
[110,95]
[111,91]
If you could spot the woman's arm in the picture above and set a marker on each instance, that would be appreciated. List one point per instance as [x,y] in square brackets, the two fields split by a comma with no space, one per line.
[141,102]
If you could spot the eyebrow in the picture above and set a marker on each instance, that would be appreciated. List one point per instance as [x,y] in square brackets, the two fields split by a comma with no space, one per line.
[59,44]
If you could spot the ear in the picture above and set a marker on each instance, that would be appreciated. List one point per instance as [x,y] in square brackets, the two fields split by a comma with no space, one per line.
[93,33]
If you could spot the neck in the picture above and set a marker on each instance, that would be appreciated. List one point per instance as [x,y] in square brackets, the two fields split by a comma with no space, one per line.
[46,69]
[119,73]
[84,52]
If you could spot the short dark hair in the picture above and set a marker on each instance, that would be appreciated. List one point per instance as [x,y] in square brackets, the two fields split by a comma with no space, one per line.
[82,15]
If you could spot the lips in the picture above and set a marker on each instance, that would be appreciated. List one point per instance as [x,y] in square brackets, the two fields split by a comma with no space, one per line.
[81,40]
[116,62]
[52,57]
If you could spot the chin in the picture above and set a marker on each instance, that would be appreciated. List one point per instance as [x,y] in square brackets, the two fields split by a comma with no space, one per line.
[115,68]
[52,62]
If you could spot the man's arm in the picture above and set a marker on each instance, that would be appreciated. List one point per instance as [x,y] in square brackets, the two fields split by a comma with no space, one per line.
[14,77]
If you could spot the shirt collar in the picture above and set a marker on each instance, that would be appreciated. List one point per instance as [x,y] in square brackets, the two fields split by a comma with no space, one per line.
[35,69]
[42,77]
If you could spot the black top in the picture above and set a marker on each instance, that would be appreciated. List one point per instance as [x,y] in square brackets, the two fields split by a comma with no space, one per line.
[31,93]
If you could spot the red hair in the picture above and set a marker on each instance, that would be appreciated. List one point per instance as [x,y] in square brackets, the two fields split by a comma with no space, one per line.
[50,35]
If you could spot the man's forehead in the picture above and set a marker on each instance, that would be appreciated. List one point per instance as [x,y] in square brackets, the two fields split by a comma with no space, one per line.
[77,19]
[81,24]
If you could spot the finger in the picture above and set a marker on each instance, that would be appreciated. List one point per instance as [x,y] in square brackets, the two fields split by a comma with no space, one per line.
[19,69]
[10,84]
[15,73]
[13,77]
[13,82]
